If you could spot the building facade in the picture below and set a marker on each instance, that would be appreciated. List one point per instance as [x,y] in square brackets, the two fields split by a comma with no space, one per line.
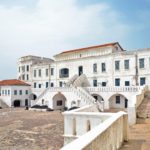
[14,93]
[107,73]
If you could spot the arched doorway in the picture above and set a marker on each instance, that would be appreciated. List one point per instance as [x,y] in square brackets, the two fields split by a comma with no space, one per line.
[32,96]
[73,104]
[97,97]
[118,101]
[16,103]
[59,101]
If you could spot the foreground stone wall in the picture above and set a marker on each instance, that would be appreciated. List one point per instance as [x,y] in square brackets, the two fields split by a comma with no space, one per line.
[108,135]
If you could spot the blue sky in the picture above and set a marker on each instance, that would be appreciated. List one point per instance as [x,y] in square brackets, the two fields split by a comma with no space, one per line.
[47,27]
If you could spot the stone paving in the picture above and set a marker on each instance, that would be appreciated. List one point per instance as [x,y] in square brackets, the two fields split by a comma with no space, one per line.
[139,136]
[22,129]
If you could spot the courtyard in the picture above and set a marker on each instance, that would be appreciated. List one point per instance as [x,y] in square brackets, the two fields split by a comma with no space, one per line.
[22,129]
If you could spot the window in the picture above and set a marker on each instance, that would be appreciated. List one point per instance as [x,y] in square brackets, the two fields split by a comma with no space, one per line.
[40,85]
[20,92]
[94,83]
[42,101]
[2,92]
[23,68]
[80,70]
[46,72]
[103,83]
[117,82]
[60,83]
[34,73]
[35,85]
[23,77]
[52,84]
[39,72]
[15,92]
[103,65]
[27,92]
[127,83]
[59,103]
[5,92]
[126,64]
[94,68]
[27,67]
[117,99]
[46,85]
[142,81]
[8,92]
[27,77]
[141,63]
[64,73]
[52,71]
[117,65]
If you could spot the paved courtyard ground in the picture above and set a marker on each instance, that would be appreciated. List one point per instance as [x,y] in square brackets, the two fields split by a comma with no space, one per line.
[22,129]
[139,136]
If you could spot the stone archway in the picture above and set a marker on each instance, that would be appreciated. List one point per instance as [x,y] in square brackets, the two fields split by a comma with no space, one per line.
[17,103]
[118,101]
[32,96]
[97,97]
[59,101]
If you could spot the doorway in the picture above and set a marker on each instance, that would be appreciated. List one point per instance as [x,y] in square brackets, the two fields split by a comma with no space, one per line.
[26,102]
[80,70]
[17,103]
[126,103]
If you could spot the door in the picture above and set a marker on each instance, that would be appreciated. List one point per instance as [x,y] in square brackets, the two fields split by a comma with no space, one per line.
[26,102]
[126,103]
[80,70]
[17,103]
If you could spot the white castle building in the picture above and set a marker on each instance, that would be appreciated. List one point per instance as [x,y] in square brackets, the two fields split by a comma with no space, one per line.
[106,75]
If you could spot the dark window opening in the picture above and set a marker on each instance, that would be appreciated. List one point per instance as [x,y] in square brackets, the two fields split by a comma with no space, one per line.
[94,68]
[94,83]
[64,73]
[103,67]
[80,70]
[117,99]
[142,81]
[117,82]
[59,103]
[103,83]
[127,83]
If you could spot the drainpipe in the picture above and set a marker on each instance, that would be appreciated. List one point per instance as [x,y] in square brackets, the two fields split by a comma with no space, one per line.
[136,70]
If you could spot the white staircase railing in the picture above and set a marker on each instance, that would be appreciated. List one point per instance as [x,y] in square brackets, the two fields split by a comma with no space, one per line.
[87,97]
[71,80]
[82,79]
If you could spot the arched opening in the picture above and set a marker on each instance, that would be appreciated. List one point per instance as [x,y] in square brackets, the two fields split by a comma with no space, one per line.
[118,101]
[26,102]
[88,126]
[16,103]
[74,127]
[59,101]
[98,97]
[32,96]
[78,103]
[73,104]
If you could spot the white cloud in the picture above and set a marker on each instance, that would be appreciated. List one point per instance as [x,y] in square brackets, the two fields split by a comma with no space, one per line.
[53,26]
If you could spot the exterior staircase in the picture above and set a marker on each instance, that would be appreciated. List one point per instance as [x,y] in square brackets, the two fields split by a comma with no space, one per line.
[143,110]
[81,81]
[75,85]
[71,80]
[3,104]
